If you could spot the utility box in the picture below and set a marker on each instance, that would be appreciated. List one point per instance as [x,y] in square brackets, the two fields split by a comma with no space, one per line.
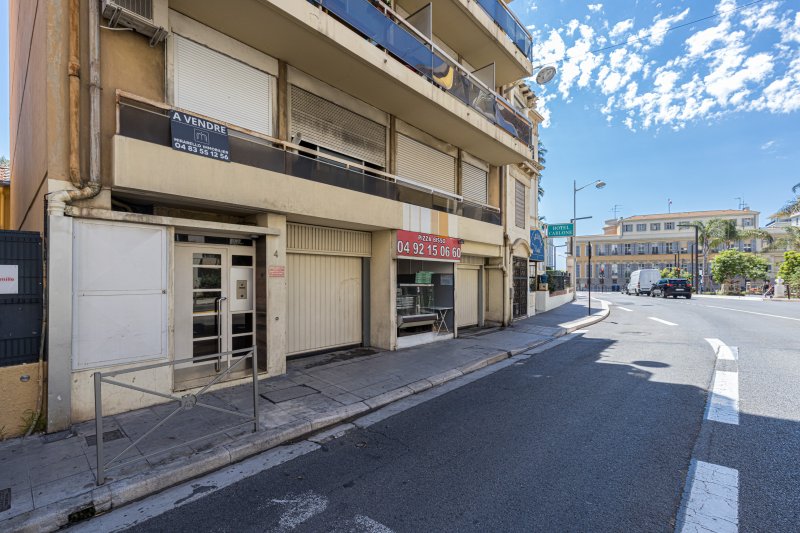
[20,297]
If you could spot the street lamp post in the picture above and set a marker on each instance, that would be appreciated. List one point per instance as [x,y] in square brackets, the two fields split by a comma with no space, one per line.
[695,256]
[599,184]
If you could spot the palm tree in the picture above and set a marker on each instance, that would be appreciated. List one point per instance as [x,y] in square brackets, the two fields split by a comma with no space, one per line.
[790,241]
[792,206]
[706,236]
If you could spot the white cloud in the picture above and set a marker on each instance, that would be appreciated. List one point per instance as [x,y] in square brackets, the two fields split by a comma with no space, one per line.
[767,145]
[595,7]
[621,28]
[744,60]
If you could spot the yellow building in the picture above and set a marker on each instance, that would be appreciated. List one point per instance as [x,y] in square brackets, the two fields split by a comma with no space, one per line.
[649,241]
[293,175]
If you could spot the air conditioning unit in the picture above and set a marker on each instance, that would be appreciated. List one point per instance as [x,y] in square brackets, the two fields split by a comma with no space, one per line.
[138,15]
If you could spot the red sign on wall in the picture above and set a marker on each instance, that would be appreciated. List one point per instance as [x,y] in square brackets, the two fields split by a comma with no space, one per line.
[426,246]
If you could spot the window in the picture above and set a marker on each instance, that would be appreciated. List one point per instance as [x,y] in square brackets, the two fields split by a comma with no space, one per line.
[747,247]
[641,249]
[684,224]
[628,249]
[655,227]
[747,222]
[627,228]
[577,250]
[614,249]
[669,225]
[519,204]
[577,271]
[670,248]
[641,227]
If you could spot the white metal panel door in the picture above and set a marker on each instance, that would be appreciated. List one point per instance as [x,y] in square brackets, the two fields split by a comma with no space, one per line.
[324,307]
[119,293]
[467,296]
[220,87]
[419,162]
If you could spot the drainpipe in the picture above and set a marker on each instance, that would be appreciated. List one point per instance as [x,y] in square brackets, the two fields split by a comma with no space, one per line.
[57,200]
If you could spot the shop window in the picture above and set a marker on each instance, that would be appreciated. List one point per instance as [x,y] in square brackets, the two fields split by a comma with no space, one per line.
[425,297]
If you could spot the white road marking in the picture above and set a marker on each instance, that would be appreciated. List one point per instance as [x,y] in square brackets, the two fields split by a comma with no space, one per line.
[750,312]
[301,508]
[625,309]
[723,351]
[368,525]
[723,406]
[713,500]
[668,323]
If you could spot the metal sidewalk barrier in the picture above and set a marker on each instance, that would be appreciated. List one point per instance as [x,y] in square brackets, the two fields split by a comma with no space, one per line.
[185,403]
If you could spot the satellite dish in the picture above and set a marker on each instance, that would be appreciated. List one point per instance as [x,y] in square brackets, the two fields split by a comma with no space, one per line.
[545,74]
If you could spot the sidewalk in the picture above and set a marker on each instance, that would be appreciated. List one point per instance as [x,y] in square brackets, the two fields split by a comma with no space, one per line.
[47,482]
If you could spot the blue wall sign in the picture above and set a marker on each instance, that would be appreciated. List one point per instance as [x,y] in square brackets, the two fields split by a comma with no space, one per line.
[199,136]
[537,245]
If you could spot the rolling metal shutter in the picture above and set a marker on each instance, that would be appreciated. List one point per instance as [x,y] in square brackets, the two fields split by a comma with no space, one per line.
[467,296]
[474,183]
[519,204]
[324,287]
[326,124]
[220,87]
[421,163]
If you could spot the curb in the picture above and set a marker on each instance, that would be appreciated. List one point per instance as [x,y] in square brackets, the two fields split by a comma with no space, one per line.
[115,494]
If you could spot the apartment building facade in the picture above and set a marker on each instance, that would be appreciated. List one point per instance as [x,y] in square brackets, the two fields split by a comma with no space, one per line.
[295,175]
[649,241]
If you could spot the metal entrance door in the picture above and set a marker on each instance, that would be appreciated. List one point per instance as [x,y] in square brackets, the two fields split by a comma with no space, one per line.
[520,274]
[214,309]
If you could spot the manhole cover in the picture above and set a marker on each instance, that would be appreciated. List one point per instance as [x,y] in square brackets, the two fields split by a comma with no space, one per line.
[5,500]
[108,436]
[291,393]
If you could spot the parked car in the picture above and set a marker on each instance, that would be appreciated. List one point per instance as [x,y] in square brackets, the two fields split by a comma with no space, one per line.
[642,280]
[672,287]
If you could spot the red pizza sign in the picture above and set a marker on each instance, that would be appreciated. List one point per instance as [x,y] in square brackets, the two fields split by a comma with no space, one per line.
[426,246]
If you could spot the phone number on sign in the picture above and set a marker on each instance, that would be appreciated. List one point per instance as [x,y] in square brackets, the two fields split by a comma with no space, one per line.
[423,249]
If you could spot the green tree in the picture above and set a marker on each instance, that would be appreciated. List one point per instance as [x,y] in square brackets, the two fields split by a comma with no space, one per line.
[542,158]
[675,272]
[790,265]
[792,206]
[790,241]
[732,264]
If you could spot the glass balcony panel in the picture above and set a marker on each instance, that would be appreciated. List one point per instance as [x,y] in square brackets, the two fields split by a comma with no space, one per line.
[509,24]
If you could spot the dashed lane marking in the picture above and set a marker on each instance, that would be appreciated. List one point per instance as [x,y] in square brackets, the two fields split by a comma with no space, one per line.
[723,351]
[723,406]
[667,322]
[713,500]
[625,309]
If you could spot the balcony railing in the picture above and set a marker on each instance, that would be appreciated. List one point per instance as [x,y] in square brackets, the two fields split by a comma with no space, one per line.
[147,120]
[389,31]
[504,18]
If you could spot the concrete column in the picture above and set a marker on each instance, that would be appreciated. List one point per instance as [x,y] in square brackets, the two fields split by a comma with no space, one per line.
[59,320]
[271,300]
[383,276]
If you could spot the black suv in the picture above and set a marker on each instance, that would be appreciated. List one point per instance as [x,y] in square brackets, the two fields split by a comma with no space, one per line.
[672,287]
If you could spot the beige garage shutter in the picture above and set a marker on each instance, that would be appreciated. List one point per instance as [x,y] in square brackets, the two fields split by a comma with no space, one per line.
[215,85]
[421,163]
[519,204]
[330,126]
[474,183]
[467,296]
[324,278]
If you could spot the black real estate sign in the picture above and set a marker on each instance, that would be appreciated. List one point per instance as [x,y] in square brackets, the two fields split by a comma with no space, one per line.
[199,136]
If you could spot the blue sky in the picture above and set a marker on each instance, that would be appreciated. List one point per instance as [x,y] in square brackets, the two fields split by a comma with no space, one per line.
[700,114]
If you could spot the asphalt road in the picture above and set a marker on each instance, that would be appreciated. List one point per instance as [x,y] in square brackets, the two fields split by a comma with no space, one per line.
[595,434]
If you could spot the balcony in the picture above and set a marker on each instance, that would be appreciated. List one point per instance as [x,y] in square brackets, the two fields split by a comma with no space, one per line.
[149,121]
[495,35]
[380,59]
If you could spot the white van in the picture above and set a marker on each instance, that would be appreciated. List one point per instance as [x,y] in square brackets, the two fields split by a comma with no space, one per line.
[642,280]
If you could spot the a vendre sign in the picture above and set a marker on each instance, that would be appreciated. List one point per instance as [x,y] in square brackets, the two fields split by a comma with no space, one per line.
[412,244]
[9,279]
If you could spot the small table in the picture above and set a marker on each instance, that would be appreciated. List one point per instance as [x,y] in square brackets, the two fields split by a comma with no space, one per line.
[441,316]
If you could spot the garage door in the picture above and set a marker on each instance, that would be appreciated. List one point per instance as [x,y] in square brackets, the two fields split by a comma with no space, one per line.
[324,287]
[467,296]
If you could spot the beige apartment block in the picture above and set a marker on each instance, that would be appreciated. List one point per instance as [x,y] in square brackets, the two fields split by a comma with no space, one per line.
[649,241]
[296,176]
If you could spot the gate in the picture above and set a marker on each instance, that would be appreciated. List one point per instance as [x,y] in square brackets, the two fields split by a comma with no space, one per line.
[20,297]
[520,274]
